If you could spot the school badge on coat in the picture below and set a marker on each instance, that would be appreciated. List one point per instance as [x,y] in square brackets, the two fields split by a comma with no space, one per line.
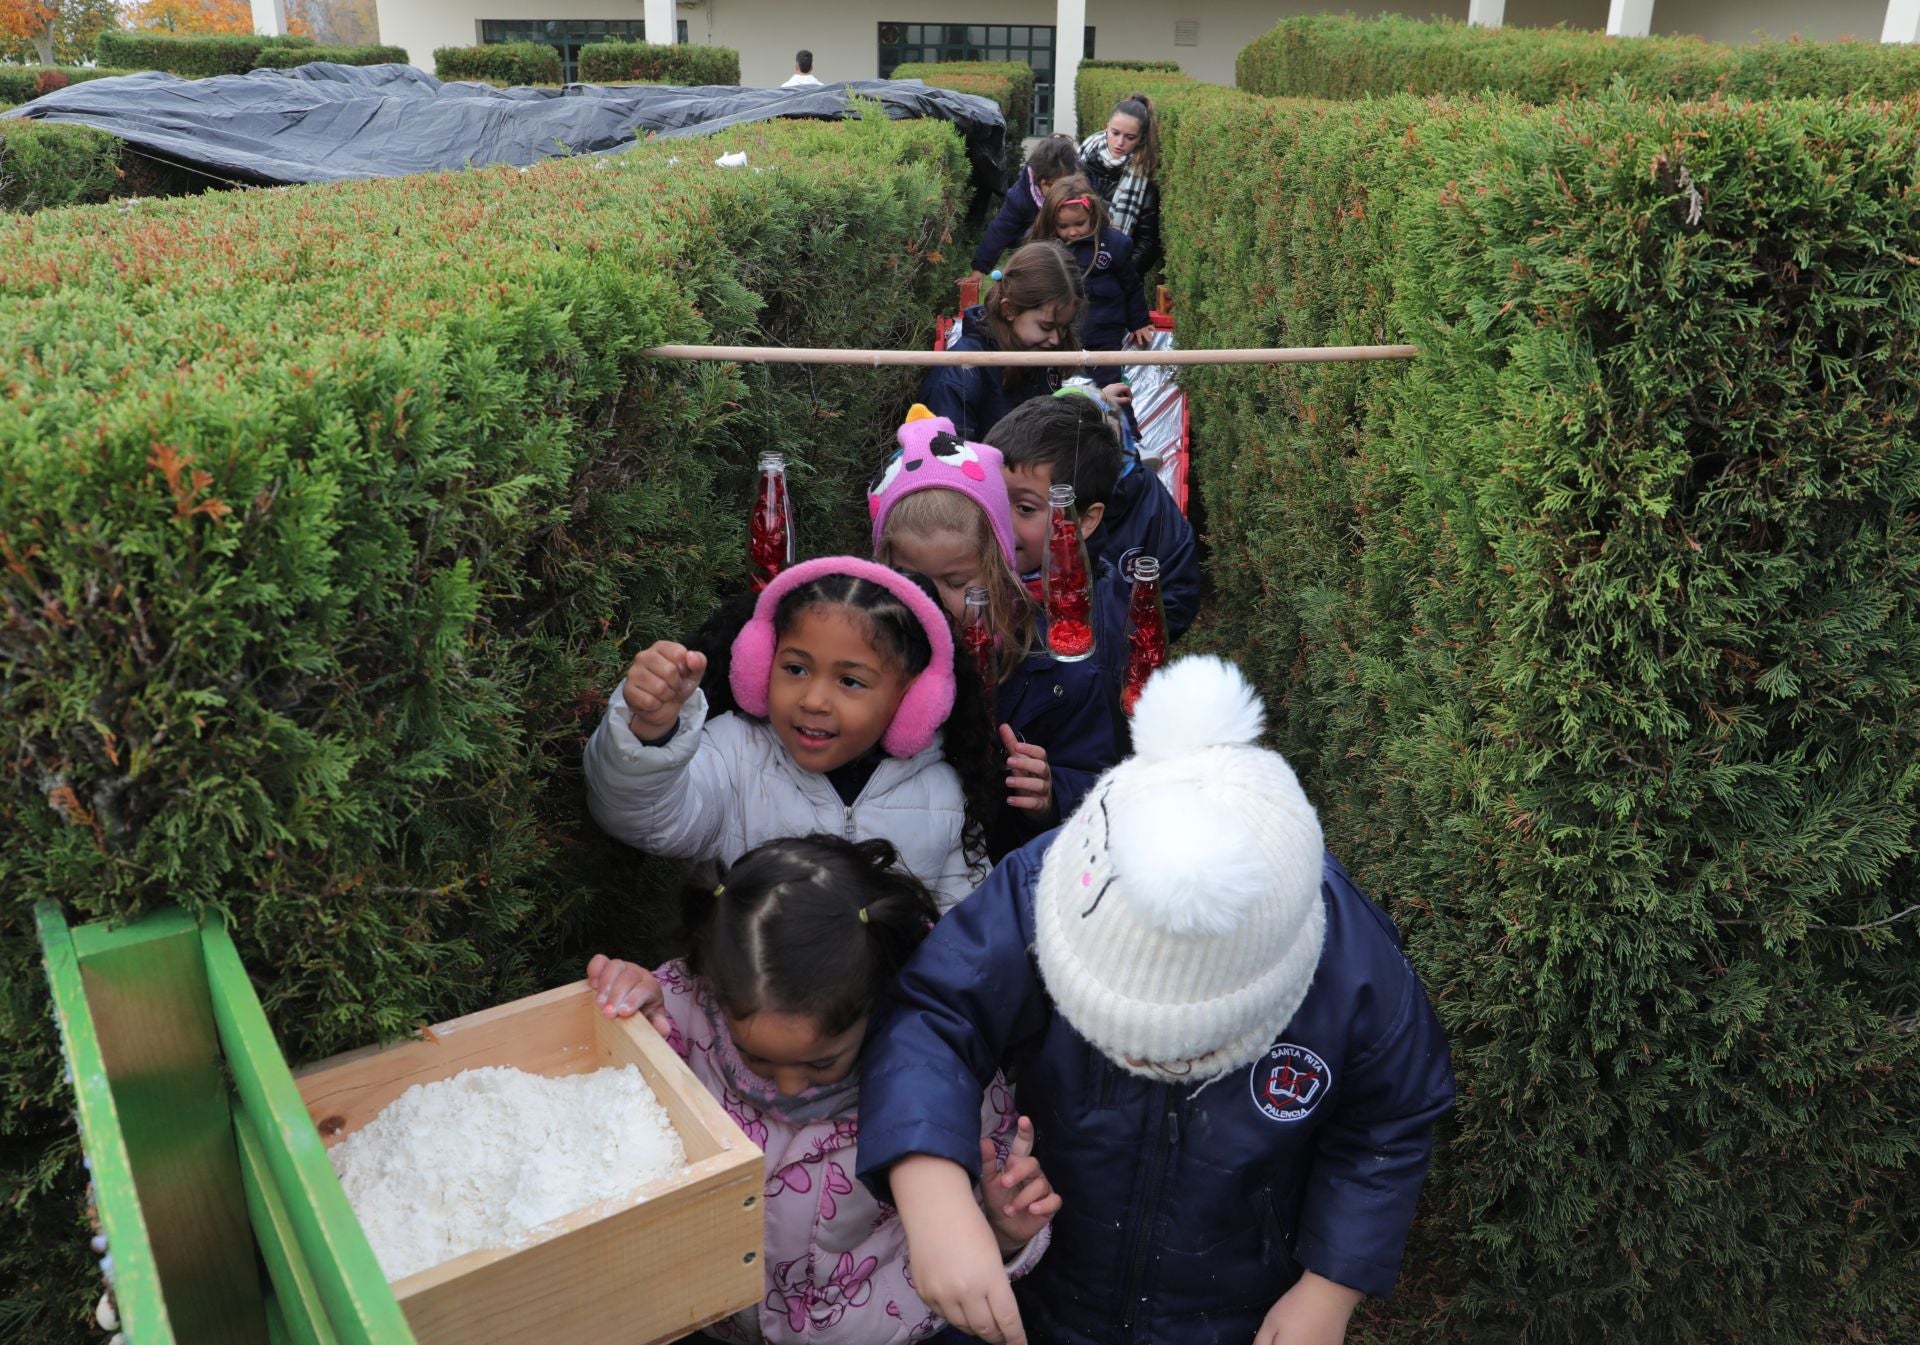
[1289,1081]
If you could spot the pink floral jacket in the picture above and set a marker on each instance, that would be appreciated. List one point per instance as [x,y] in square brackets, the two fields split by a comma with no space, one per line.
[836,1258]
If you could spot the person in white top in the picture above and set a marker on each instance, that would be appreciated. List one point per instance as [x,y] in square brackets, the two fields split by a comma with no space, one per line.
[802,71]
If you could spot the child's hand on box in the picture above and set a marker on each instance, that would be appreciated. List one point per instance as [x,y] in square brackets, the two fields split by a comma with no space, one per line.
[1314,1312]
[623,989]
[661,679]
[1018,1199]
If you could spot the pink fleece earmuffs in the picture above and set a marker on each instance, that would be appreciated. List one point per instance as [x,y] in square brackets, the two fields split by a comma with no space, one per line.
[929,700]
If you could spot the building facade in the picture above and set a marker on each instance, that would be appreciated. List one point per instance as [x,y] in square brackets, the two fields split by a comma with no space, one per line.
[865,39]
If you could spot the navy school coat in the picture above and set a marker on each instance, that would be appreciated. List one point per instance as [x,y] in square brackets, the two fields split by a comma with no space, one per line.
[975,399]
[1187,1211]
[1010,227]
[1116,303]
[1065,708]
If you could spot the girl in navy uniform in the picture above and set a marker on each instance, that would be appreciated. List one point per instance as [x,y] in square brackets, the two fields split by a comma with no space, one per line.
[1233,1072]
[1074,216]
[1034,304]
[1053,158]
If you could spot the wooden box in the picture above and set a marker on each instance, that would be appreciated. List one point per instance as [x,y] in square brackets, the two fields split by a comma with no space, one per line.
[650,1265]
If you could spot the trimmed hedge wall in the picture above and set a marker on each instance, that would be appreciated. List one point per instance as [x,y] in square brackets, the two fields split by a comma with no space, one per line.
[23,84]
[656,63]
[44,165]
[1328,56]
[195,56]
[286,58]
[1158,67]
[1008,83]
[514,63]
[332,515]
[1595,633]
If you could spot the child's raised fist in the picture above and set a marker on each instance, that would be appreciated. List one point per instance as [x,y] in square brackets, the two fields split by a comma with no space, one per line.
[661,679]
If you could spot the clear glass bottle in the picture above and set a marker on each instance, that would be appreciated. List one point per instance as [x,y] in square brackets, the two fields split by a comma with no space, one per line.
[976,637]
[1146,630]
[770,539]
[1067,581]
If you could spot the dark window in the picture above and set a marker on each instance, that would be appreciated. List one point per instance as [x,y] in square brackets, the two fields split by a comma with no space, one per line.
[567,36]
[901,43]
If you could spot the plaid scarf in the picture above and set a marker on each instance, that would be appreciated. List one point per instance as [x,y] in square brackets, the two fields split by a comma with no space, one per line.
[1129,194]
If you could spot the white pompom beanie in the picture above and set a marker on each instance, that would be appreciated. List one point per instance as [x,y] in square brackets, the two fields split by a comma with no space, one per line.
[1178,915]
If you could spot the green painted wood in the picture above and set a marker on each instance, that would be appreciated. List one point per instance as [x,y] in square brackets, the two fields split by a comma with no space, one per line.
[359,1301]
[137,1292]
[296,1298]
[276,1324]
[146,987]
[101,937]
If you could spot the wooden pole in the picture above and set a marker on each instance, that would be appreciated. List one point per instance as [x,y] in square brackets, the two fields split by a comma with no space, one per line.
[1081,359]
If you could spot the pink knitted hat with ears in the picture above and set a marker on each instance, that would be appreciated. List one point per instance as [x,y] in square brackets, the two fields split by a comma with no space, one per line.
[929,700]
[933,457]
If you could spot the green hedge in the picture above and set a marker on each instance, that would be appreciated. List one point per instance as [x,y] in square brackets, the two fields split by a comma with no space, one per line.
[1156,67]
[333,514]
[1007,83]
[24,83]
[195,56]
[44,165]
[514,63]
[1327,56]
[655,63]
[1596,634]
[286,58]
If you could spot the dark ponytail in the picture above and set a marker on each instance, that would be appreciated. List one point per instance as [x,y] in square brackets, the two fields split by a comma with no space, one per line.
[814,926]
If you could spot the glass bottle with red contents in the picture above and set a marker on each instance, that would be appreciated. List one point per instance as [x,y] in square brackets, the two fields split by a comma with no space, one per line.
[1146,630]
[770,539]
[976,637]
[1067,581]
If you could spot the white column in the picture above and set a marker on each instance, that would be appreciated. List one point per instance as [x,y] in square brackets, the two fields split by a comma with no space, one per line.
[660,25]
[1629,18]
[1486,13]
[1069,40]
[270,17]
[1903,21]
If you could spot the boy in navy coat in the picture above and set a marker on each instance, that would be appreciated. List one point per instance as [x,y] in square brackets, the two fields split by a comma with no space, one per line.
[1124,512]
[1233,1073]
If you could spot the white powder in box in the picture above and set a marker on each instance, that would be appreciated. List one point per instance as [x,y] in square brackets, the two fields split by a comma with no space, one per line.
[481,1158]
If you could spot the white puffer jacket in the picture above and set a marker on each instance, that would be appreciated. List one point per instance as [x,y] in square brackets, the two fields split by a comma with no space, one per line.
[720,787]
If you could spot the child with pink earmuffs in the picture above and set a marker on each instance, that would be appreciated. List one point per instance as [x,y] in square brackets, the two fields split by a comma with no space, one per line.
[843,683]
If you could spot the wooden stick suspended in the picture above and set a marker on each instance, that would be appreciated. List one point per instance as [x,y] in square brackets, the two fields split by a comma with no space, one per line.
[1081,359]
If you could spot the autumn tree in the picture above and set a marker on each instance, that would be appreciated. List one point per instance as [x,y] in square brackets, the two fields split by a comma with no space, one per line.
[191,16]
[342,22]
[48,31]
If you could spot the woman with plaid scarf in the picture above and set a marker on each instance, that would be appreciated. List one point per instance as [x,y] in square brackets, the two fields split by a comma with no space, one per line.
[1121,161]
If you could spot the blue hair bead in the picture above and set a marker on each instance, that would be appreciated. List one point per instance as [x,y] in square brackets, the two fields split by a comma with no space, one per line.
[994,276]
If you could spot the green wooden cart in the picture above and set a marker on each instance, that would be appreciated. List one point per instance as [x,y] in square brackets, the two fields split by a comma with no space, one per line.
[224,1220]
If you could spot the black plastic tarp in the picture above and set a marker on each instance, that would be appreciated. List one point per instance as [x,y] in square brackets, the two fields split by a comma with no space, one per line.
[322,122]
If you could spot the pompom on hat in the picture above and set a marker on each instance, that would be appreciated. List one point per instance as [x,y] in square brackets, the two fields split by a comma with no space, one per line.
[1179,917]
[933,456]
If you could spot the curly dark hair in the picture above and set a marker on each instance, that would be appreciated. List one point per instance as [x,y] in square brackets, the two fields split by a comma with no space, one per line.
[967,739]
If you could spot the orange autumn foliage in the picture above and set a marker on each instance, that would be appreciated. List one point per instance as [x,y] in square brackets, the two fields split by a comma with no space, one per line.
[31,21]
[191,16]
